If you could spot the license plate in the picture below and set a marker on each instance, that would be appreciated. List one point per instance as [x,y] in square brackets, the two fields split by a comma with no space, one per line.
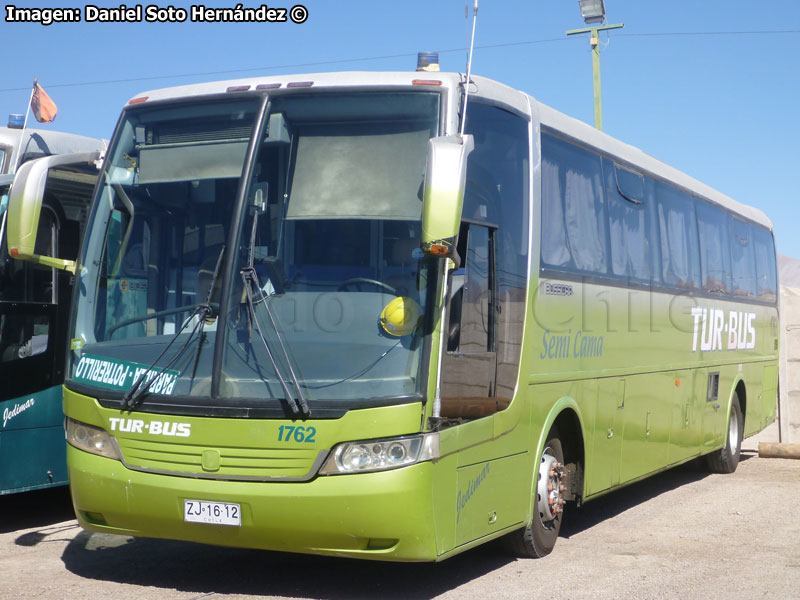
[214,513]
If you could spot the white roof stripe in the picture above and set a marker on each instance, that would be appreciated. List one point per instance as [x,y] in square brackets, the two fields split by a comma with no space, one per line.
[321,80]
[486,88]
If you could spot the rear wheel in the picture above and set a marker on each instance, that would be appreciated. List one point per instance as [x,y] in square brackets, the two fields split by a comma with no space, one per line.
[539,537]
[726,459]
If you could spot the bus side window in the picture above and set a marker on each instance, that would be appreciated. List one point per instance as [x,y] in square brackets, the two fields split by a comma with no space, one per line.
[22,336]
[24,333]
[715,248]
[743,260]
[574,213]
[765,264]
[680,251]
[629,223]
[471,315]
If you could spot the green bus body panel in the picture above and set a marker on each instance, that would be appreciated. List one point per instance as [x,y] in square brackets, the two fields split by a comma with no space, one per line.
[32,446]
[429,510]
[763,415]
[604,331]
[633,362]
[483,482]
[385,516]
[148,450]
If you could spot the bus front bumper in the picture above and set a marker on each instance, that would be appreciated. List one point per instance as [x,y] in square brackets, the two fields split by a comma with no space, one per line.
[382,516]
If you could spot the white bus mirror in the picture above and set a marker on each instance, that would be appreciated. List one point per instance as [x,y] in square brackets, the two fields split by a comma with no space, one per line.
[443,193]
[25,206]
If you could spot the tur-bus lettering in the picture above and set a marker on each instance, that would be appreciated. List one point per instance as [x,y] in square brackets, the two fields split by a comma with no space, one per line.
[710,324]
[153,427]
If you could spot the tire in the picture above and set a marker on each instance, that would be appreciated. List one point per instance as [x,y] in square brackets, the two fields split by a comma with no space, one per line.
[539,537]
[726,459]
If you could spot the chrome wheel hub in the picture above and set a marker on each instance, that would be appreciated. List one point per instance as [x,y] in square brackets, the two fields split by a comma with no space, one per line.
[550,488]
[733,431]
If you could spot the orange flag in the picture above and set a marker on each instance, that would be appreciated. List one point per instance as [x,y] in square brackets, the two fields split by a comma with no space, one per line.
[44,109]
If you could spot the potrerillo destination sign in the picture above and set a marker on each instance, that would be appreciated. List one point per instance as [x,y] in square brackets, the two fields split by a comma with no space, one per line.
[120,375]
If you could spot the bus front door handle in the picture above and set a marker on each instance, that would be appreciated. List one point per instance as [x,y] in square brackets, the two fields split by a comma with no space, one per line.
[716,406]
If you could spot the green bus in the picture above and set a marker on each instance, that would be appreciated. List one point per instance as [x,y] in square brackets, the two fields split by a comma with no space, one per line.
[313,316]
[35,303]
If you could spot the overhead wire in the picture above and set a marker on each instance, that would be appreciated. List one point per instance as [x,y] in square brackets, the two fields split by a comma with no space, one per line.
[393,56]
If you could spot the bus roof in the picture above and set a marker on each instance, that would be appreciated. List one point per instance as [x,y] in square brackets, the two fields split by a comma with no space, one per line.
[40,142]
[487,88]
[318,80]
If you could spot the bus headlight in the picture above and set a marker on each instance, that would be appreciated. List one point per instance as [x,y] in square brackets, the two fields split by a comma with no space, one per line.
[381,455]
[91,439]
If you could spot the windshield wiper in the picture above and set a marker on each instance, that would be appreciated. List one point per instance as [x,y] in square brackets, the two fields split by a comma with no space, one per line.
[208,310]
[133,396]
[296,401]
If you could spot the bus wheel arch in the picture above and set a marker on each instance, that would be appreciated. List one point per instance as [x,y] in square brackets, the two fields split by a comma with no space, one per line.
[726,459]
[557,478]
[571,434]
[741,392]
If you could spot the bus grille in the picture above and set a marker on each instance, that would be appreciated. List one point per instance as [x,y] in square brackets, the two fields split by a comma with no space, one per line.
[243,464]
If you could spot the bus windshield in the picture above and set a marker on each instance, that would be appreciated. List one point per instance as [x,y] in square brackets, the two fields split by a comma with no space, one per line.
[289,292]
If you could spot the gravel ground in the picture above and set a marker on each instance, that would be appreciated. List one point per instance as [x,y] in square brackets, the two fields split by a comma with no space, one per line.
[682,534]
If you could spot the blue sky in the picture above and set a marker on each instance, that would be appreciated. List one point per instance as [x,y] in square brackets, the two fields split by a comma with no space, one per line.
[722,108]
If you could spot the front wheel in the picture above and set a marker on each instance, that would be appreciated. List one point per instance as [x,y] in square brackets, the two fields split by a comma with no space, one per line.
[726,459]
[539,537]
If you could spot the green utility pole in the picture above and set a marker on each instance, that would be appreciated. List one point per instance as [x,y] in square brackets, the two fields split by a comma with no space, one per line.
[593,41]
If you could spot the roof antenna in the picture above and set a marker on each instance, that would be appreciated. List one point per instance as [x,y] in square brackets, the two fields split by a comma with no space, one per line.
[469,63]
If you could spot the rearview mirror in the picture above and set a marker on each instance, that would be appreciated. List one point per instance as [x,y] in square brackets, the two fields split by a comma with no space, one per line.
[25,206]
[443,192]
[278,130]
